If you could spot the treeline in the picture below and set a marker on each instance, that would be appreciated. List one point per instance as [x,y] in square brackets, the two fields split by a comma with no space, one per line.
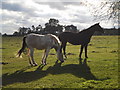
[110,31]
[51,27]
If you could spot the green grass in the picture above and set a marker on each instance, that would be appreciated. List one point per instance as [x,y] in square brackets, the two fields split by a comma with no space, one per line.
[100,70]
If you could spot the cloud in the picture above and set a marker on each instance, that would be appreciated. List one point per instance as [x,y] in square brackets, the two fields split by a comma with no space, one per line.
[12,6]
[16,13]
[57,4]
[18,7]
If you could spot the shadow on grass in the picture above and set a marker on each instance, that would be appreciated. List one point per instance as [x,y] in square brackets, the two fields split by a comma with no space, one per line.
[80,70]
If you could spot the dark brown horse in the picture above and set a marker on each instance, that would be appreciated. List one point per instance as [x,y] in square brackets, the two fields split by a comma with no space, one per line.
[82,38]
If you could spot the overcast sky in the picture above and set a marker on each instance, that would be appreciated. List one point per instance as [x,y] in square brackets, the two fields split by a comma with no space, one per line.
[19,13]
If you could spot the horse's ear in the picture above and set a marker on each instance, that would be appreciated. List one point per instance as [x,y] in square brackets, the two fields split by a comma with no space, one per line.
[98,23]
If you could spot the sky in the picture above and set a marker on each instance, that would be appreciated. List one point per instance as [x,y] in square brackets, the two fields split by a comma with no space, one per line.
[25,13]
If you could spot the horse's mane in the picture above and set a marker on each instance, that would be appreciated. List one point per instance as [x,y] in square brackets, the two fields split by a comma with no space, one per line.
[84,30]
[55,38]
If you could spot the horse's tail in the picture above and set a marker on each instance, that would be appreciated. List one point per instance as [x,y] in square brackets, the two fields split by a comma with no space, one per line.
[23,47]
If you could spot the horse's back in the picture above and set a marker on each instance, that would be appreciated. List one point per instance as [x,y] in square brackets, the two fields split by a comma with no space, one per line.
[69,37]
[65,35]
[38,41]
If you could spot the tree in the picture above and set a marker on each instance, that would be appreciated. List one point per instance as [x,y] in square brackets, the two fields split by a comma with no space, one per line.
[5,34]
[23,30]
[70,28]
[53,22]
[38,28]
[53,26]
[104,10]
[33,28]
[16,33]
[108,10]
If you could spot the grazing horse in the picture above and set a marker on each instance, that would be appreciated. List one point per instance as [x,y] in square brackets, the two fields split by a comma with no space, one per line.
[41,42]
[82,38]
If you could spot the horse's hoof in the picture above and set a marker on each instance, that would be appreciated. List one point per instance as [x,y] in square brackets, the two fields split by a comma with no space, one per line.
[35,64]
[56,61]
[31,65]
[62,61]
[64,58]
[44,64]
[80,59]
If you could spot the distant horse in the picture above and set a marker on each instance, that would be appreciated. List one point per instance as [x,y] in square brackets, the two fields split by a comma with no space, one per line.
[41,42]
[82,38]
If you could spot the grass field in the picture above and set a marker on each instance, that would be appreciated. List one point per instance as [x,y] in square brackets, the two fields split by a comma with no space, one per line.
[100,70]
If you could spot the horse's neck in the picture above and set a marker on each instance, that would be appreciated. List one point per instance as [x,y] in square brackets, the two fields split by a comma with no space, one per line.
[91,31]
[88,32]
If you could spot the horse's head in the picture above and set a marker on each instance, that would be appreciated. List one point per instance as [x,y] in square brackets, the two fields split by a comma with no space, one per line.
[97,27]
[57,46]
[59,53]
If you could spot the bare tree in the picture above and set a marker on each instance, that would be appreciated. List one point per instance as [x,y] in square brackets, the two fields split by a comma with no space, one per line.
[108,10]
[104,9]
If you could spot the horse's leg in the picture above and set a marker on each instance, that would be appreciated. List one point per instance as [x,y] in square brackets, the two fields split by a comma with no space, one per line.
[56,49]
[45,56]
[47,52]
[31,54]
[64,49]
[81,51]
[61,48]
[86,51]
[29,58]
[62,45]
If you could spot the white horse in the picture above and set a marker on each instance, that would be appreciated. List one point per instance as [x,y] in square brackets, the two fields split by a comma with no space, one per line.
[41,42]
